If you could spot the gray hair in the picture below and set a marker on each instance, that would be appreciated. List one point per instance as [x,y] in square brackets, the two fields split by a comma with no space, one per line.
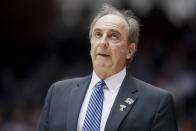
[127,15]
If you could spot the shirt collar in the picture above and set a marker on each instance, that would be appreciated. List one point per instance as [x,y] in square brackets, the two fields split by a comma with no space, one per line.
[112,82]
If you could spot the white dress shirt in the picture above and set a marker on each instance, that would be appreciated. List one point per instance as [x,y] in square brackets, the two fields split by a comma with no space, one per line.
[113,84]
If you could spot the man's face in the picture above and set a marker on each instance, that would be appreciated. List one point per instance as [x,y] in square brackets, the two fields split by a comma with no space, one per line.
[109,48]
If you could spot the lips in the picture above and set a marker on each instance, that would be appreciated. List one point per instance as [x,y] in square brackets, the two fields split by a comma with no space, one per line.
[102,54]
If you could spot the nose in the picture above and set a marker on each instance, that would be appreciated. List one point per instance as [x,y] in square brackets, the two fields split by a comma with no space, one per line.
[104,41]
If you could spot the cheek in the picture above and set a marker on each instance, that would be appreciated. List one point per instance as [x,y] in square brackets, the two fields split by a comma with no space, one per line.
[93,50]
[119,52]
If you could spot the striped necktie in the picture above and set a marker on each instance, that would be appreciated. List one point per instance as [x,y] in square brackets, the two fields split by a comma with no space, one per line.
[92,119]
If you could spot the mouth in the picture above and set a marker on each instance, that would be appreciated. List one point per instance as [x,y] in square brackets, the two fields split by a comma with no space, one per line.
[104,55]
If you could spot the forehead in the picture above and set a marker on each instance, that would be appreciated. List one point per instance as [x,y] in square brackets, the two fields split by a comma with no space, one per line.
[113,22]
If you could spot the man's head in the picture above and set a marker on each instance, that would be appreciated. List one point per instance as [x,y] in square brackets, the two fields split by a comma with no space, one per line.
[114,37]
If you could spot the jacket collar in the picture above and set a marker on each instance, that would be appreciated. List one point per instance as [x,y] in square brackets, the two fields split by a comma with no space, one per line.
[76,98]
[125,100]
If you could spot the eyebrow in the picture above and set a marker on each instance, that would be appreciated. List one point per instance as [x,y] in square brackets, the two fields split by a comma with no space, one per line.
[110,30]
[97,29]
[116,31]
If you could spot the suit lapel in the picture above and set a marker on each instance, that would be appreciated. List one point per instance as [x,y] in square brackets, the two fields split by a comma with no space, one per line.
[75,101]
[123,103]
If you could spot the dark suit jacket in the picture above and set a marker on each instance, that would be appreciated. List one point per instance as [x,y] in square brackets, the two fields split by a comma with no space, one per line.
[152,109]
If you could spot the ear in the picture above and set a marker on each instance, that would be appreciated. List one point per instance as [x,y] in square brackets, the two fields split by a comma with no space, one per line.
[131,50]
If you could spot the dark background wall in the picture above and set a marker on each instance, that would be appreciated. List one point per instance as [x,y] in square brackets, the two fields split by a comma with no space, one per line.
[45,41]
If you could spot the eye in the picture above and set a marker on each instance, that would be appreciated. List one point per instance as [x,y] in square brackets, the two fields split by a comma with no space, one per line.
[98,34]
[114,36]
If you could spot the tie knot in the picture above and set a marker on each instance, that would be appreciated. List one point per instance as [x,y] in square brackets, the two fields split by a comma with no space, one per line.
[100,84]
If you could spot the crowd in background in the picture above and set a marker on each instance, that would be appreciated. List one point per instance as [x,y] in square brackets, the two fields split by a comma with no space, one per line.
[46,41]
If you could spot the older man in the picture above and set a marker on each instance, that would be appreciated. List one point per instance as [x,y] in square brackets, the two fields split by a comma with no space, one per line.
[109,99]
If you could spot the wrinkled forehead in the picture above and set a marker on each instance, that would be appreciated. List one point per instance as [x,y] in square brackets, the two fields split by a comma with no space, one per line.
[111,22]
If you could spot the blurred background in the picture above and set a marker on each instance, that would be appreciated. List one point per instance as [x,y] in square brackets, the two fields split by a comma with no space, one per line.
[43,41]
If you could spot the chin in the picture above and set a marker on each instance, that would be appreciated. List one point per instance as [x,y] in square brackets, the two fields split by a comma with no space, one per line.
[103,65]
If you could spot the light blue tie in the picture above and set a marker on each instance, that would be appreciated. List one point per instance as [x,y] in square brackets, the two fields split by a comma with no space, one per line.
[92,119]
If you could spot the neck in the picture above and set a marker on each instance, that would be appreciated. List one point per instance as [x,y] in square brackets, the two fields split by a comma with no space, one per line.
[103,74]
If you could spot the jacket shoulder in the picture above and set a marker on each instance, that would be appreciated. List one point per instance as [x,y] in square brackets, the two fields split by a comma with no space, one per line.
[148,90]
[71,81]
